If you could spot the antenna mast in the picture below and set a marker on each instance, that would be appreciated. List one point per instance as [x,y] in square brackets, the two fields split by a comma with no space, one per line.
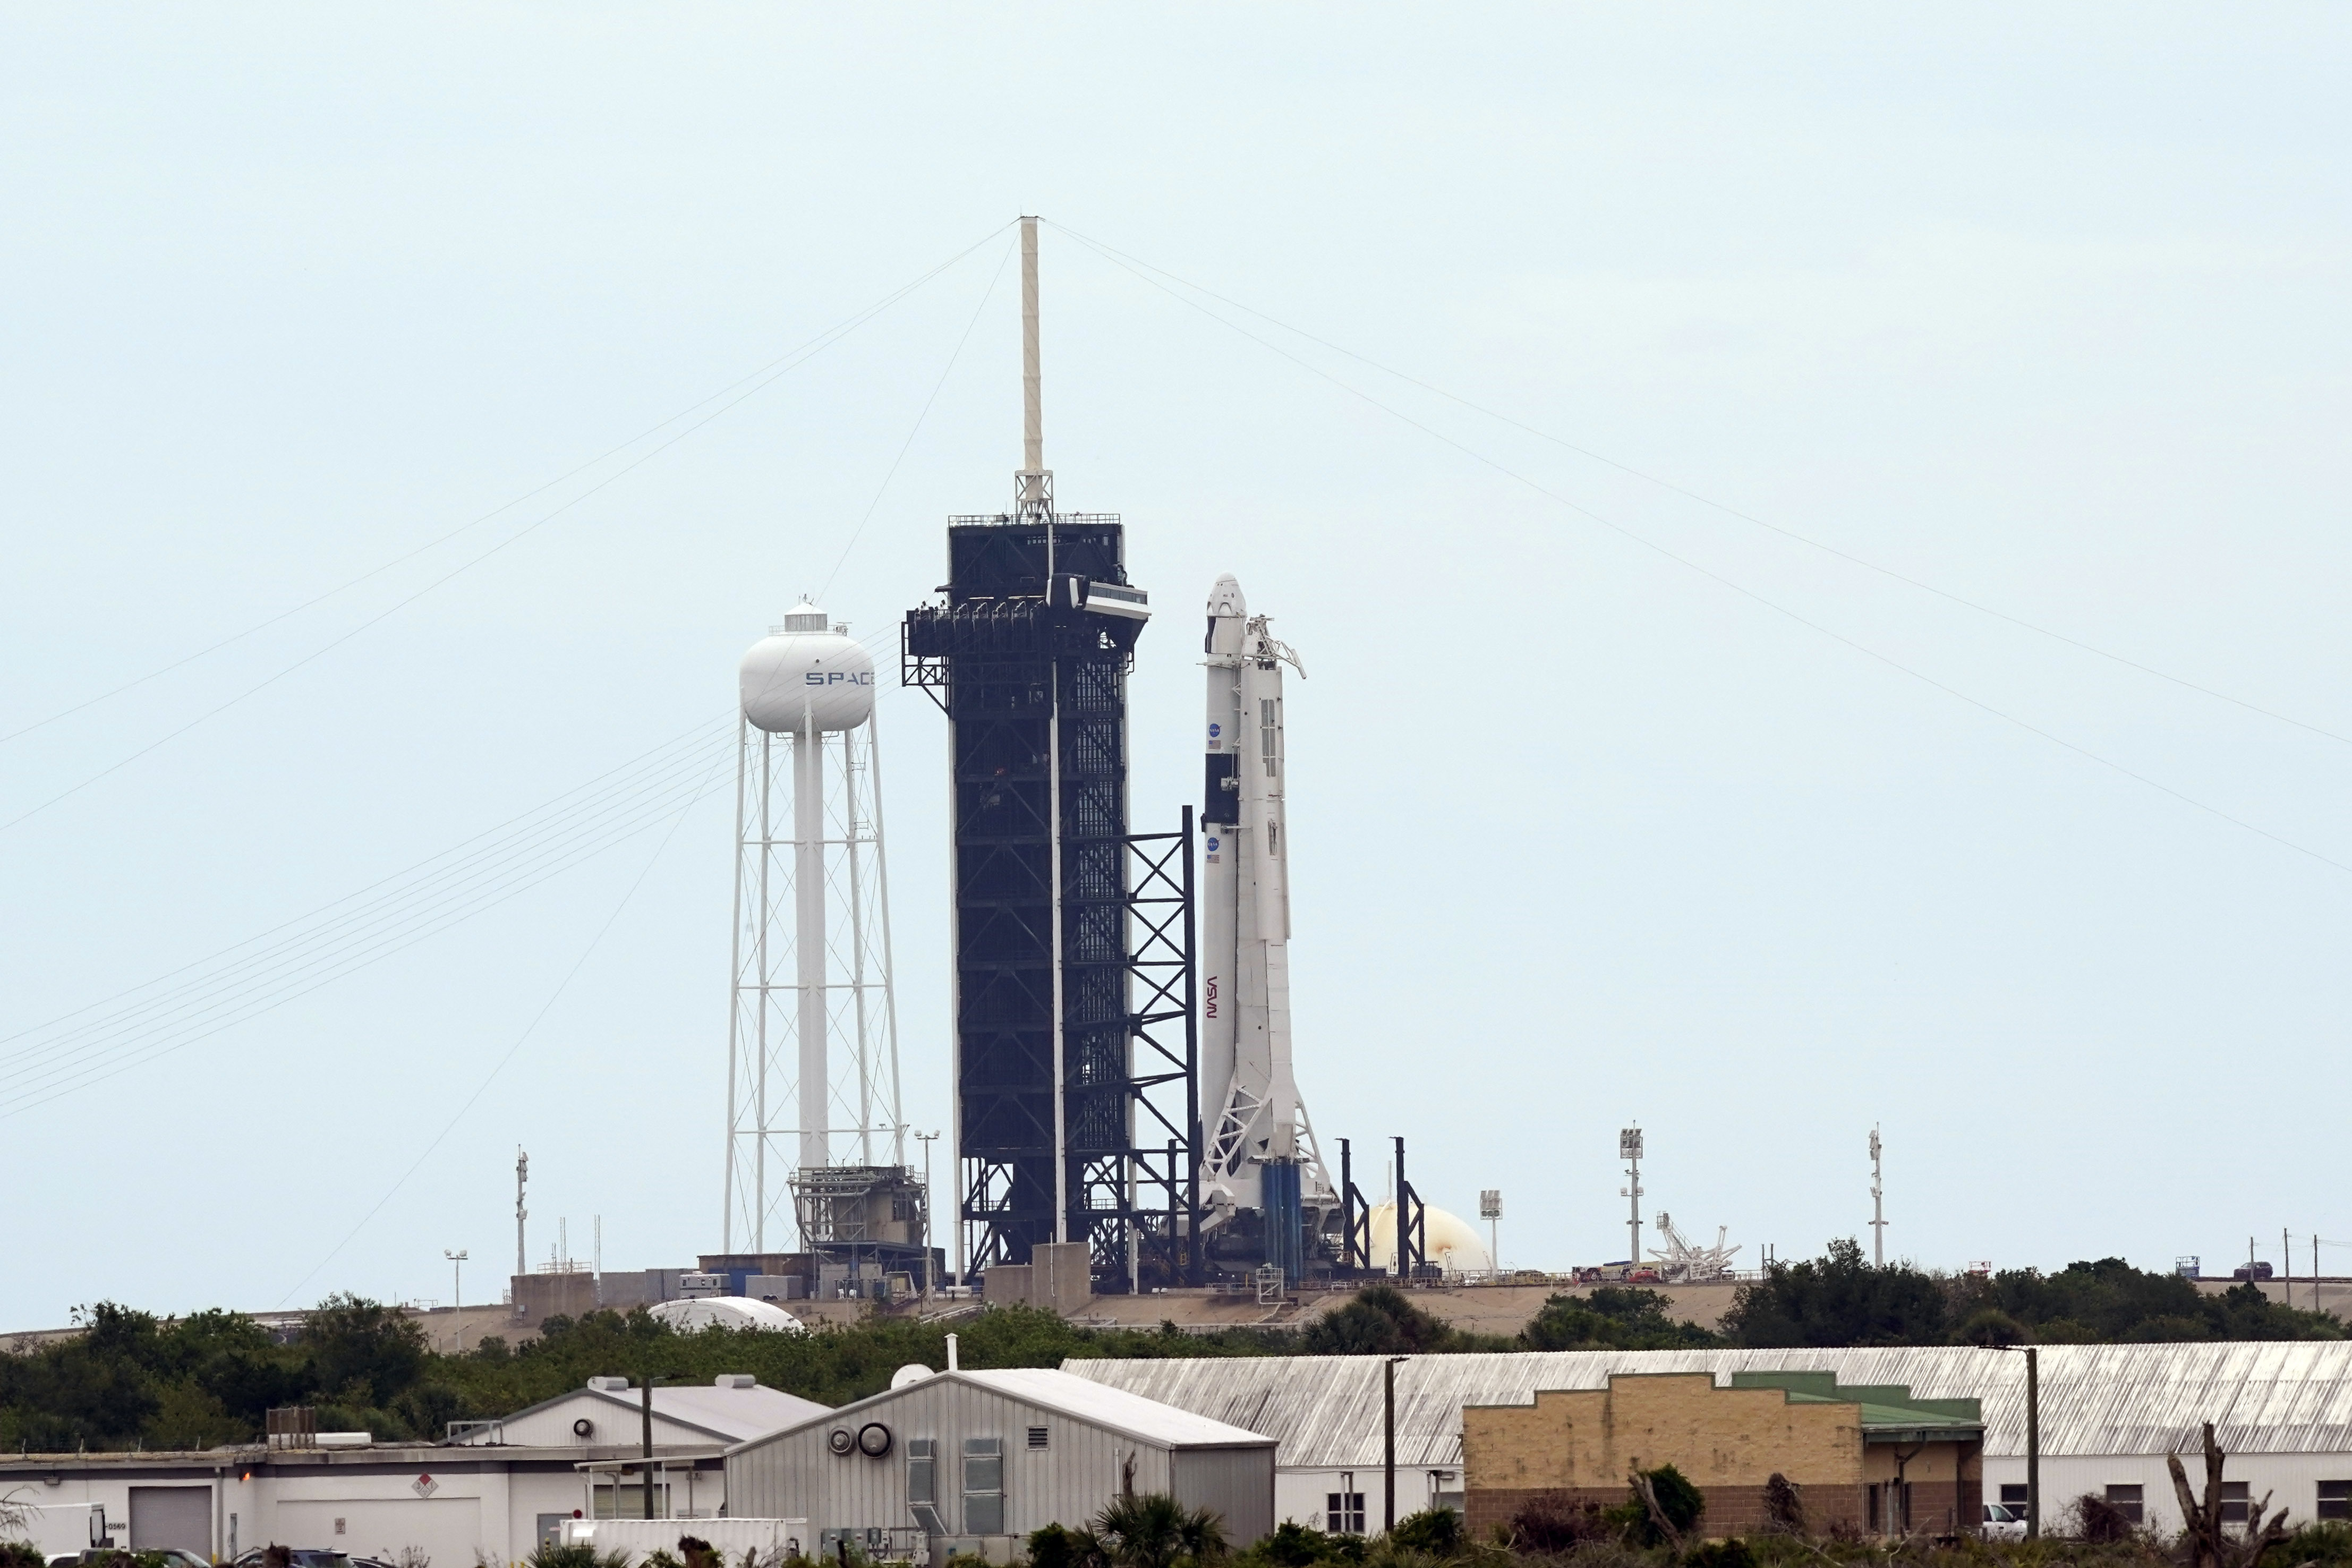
[1877,1206]
[522,1172]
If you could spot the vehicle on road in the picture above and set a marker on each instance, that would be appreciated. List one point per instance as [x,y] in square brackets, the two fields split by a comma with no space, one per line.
[2002,1522]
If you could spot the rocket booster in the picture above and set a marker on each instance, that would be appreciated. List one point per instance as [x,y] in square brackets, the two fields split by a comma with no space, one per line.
[1247,1079]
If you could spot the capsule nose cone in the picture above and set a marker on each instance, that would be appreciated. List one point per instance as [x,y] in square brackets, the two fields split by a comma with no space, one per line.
[1226,598]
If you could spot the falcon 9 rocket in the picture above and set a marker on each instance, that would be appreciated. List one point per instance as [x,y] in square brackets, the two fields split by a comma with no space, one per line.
[1261,1153]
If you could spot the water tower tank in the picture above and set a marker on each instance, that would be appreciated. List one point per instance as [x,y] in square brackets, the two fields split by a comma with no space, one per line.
[804,671]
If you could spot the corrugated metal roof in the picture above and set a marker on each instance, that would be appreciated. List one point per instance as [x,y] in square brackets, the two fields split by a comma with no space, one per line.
[2262,1398]
[727,1414]
[1107,1405]
[1098,1401]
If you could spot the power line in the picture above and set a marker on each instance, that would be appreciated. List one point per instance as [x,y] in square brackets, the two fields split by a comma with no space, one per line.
[906,446]
[499,1066]
[796,355]
[1717,577]
[244,981]
[1111,253]
[207,1003]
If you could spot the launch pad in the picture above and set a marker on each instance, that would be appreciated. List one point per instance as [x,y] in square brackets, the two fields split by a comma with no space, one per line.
[1121,1009]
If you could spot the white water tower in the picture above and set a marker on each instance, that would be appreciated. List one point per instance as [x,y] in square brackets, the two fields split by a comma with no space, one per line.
[812,944]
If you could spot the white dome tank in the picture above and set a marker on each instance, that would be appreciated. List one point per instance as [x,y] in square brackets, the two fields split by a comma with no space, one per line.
[1451,1242]
[805,670]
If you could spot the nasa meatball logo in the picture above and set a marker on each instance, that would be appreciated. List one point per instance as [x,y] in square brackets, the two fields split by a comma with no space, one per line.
[1215,730]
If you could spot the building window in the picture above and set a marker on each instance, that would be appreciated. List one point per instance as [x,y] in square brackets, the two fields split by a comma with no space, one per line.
[984,1485]
[2335,1500]
[2233,1502]
[2125,1500]
[1344,1513]
[2014,1496]
[923,1484]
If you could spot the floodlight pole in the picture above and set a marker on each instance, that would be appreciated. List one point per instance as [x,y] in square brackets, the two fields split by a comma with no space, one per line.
[1628,1149]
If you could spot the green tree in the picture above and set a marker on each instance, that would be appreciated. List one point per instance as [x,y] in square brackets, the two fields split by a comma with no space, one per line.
[1379,1321]
[363,1348]
[1840,1300]
[1612,1318]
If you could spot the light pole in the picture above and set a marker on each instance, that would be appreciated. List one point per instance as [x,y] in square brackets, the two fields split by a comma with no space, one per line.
[927,1140]
[457,1290]
[1628,1149]
[2033,1437]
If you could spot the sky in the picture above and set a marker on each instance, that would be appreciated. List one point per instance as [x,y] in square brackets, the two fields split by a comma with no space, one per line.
[1815,537]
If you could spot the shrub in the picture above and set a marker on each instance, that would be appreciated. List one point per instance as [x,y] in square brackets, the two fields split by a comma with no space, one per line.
[1682,1503]
[580,1554]
[1292,1545]
[1051,1546]
[1784,1505]
[2099,1522]
[1436,1531]
[2328,1546]
[1731,1554]
[1553,1522]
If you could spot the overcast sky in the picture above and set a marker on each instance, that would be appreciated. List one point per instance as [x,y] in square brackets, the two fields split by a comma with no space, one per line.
[1608,802]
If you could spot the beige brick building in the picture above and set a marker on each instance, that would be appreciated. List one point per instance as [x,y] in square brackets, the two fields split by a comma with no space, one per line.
[1870,1459]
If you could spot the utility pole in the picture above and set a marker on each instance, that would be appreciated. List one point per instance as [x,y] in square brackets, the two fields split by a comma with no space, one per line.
[522,1174]
[1490,1209]
[1387,1443]
[1628,1149]
[2033,1437]
[647,1407]
[2033,1444]
[927,1140]
[1877,1205]
[457,1277]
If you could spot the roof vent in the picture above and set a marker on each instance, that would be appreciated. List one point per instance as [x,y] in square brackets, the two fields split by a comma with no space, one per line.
[735,1380]
[609,1384]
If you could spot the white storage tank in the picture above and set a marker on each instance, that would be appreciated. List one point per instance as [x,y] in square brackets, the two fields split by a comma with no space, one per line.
[805,671]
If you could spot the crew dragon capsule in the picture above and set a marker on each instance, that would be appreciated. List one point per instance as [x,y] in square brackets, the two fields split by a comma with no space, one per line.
[1261,1152]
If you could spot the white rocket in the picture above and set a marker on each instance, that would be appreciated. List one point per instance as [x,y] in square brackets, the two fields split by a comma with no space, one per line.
[1249,1098]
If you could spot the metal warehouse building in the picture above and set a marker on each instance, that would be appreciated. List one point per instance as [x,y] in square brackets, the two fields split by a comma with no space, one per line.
[495,1490]
[965,1456]
[2283,1412]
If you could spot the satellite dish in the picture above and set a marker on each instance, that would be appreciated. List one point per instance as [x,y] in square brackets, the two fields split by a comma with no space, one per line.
[909,1374]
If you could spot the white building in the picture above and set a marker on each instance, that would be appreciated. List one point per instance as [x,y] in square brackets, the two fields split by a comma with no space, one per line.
[974,1459]
[497,1489]
[2282,1412]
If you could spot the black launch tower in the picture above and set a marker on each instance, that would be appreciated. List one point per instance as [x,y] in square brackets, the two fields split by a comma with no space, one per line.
[1062,916]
